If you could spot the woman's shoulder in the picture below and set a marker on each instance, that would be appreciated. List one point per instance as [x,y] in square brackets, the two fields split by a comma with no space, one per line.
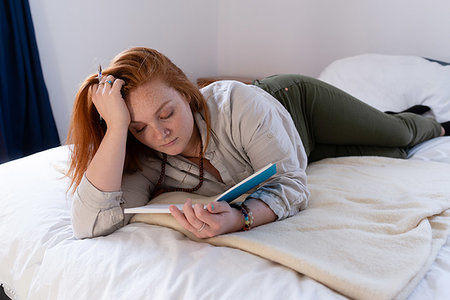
[238,108]
[228,95]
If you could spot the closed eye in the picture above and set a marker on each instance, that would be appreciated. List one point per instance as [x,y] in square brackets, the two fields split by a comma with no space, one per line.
[140,129]
[164,117]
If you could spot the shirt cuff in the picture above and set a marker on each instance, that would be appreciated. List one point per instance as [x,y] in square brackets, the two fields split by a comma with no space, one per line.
[97,199]
[272,201]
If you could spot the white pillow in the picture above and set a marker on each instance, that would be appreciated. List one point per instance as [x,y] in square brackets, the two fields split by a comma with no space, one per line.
[393,83]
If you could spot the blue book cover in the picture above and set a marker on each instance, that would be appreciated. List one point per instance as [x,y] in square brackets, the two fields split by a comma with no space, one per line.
[248,183]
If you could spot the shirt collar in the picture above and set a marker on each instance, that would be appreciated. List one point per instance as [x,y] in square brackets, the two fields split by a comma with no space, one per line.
[201,125]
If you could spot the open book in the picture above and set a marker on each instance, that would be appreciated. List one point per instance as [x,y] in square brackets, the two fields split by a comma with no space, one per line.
[229,195]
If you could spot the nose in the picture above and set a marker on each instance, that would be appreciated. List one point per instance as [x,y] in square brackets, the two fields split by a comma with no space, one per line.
[166,132]
[161,132]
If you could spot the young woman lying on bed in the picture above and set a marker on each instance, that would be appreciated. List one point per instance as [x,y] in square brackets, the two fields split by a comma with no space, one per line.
[145,129]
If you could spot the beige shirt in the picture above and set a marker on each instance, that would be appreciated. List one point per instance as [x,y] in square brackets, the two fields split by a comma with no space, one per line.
[250,129]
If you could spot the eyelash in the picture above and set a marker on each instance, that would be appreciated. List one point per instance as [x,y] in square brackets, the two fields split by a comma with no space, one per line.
[168,116]
[140,130]
[165,118]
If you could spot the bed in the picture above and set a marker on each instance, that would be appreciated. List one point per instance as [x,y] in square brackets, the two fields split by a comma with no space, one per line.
[399,207]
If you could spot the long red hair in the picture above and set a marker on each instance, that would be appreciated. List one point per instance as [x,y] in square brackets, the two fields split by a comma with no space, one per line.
[135,66]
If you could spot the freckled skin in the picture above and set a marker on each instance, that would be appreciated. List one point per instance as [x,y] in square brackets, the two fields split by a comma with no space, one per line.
[162,119]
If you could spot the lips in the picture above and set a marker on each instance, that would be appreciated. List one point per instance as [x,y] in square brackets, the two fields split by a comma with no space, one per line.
[170,143]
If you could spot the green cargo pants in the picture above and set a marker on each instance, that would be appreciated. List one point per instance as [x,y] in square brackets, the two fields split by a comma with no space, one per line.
[332,123]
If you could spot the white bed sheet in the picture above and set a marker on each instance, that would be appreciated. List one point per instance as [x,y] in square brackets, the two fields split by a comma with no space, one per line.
[40,258]
[435,284]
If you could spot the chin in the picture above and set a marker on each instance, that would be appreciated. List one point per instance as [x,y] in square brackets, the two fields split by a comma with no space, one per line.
[174,150]
[171,153]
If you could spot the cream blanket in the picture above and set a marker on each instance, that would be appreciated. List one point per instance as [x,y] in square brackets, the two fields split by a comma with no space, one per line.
[372,228]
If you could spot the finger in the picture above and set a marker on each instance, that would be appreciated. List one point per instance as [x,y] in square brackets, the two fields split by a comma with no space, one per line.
[117,84]
[104,87]
[102,81]
[107,83]
[181,219]
[217,207]
[190,214]
[96,88]
[198,207]
[201,213]
[110,79]
[205,216]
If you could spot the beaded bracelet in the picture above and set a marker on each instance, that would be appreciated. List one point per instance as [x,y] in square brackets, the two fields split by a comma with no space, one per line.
[248,217]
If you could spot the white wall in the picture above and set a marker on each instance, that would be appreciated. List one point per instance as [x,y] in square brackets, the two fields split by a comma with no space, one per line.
[229,37]
[75,36]
[264,37]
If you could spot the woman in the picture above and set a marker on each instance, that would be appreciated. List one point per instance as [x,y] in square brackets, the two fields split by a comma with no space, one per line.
[145,128]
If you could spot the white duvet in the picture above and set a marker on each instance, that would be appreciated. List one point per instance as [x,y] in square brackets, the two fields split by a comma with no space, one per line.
[40,258]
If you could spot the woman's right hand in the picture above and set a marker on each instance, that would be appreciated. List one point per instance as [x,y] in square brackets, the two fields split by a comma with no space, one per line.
[109,102]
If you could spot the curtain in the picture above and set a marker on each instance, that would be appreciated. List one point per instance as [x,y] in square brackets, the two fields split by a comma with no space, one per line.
[26,120]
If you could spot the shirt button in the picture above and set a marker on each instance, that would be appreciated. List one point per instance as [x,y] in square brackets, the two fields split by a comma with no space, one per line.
[270,135]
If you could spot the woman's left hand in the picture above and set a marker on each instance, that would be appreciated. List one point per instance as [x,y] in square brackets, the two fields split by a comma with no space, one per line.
[204,222]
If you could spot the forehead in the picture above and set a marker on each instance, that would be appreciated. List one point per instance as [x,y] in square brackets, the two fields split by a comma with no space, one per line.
[149,97]
[153,92]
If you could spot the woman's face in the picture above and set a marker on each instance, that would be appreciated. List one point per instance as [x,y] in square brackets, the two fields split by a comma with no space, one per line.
[162,119]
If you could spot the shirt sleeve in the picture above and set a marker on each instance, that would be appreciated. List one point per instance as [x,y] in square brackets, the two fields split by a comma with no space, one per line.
[267,134]
[96,213]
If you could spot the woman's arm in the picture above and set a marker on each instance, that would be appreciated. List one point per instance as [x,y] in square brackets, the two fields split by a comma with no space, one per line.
[262,214]
[96,208]
[106,168]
